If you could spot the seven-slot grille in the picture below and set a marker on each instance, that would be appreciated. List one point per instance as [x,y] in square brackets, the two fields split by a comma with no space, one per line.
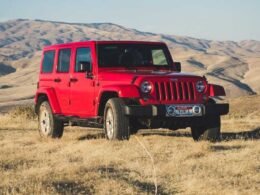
[175,90]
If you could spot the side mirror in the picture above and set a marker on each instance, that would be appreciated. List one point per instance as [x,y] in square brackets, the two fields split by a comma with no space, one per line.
[85,67]
[177,66]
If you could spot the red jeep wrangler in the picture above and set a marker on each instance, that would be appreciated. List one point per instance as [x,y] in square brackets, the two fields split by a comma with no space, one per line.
[123,86]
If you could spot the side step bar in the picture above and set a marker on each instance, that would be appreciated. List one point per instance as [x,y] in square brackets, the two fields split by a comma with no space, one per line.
[96,122]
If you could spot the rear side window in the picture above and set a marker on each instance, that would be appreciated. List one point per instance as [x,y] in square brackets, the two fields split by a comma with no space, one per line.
[48,61]
[64,60]
[83,55]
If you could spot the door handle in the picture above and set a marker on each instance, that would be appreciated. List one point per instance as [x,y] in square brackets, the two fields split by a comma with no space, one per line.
[73,79]
[57,80]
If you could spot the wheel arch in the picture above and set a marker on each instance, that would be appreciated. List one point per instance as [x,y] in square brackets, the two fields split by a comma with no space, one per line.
[40,98]
[104,97]
[47,94]
[115,91]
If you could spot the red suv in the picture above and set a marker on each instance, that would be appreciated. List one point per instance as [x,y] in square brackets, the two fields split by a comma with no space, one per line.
[123,86]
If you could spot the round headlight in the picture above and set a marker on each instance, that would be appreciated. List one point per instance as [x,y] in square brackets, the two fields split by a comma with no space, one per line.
[200,86]
[146,87]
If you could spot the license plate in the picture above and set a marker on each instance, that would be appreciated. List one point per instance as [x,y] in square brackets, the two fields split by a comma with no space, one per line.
[183,110]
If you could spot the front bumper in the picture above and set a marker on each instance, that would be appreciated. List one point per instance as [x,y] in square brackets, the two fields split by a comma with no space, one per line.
[160,110]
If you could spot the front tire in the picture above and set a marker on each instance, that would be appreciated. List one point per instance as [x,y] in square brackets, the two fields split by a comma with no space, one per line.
[49,126]
[116,124]
[210,131]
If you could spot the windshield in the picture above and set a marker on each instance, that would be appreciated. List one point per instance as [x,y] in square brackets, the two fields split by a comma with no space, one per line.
[127,55]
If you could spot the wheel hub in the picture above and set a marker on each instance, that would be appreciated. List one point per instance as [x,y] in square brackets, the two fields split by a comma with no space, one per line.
[109,123]
[44,122]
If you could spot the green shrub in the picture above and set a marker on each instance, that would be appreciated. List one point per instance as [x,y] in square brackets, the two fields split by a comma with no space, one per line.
[26,111]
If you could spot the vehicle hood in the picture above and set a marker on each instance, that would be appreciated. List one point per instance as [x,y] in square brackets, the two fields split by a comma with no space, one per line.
[130,75]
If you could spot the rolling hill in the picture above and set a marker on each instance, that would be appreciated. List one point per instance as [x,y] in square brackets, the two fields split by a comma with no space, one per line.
[235,65]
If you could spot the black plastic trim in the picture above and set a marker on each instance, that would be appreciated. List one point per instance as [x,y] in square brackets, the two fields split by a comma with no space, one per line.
[160,110]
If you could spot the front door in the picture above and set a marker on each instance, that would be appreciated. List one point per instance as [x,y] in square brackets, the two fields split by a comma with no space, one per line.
[81,88]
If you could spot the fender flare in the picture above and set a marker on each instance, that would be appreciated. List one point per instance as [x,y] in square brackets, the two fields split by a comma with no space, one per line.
[123,91]
[216,90]
[52,98]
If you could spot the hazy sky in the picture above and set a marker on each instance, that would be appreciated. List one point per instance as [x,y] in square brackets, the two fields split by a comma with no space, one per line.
[209,19]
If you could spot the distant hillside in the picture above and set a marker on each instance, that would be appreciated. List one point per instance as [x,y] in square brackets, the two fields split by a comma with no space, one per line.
[236,65]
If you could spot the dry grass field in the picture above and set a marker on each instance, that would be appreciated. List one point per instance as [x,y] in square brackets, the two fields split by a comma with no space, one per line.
[154,161]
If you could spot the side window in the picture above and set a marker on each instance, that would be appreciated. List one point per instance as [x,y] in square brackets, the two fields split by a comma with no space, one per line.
[159,57]
[82,55]
[48,61]
[64,60]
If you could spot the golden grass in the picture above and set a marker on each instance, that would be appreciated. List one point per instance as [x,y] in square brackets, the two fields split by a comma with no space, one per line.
[20,117]
[83,162]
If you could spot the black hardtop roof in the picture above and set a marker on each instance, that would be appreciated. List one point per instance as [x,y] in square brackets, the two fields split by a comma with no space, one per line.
[99,42]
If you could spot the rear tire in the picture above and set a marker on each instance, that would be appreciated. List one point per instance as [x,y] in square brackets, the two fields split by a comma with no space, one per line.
[116,124]
[210,131]
[49,126]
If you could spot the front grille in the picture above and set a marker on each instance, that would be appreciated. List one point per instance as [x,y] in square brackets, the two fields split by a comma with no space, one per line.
[175,91]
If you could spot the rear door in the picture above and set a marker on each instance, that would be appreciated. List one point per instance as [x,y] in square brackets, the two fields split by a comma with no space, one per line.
[82,89]
[62,79]
[46,73]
